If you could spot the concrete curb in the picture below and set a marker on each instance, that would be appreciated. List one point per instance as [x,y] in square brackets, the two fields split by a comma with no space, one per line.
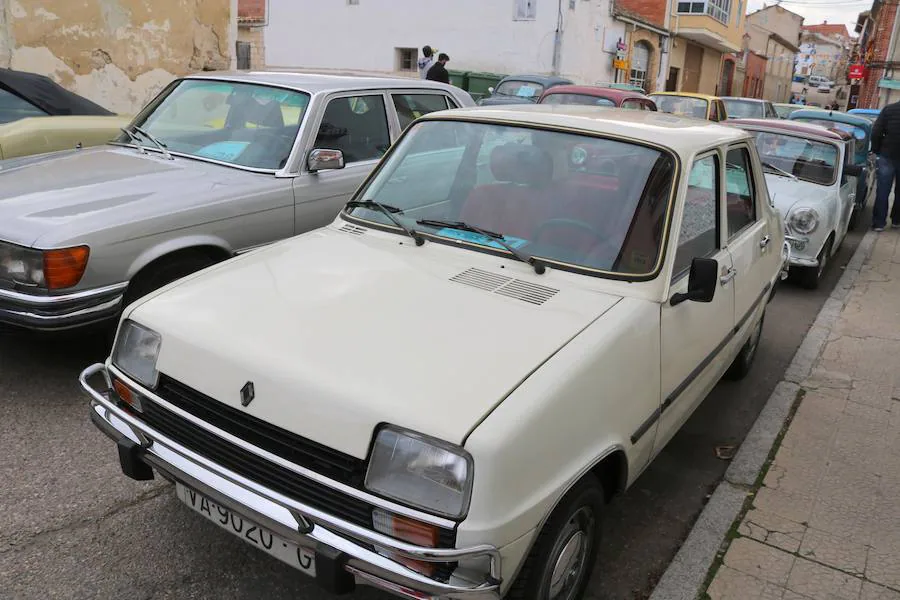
[687,572]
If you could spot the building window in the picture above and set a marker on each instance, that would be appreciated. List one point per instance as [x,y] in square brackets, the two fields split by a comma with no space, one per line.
[525,10]
[717,9]
[640,58]
[353,2]
[406,59]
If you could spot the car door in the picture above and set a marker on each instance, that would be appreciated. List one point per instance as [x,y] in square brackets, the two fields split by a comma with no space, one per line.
[849,188]
[749,240]
[692,333]
[359,126]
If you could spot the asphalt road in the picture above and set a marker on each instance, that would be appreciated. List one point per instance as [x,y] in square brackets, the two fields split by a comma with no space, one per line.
[71,526]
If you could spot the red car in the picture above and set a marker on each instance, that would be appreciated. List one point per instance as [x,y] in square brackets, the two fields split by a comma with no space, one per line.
[596,96]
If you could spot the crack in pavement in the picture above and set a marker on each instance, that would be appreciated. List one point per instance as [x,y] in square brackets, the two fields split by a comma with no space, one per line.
[24,541]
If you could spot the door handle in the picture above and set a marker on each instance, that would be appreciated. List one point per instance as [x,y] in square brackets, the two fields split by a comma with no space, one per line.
[764,242]
[728,276]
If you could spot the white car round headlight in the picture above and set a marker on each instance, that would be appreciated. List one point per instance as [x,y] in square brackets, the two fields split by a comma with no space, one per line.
[804,220]
[136,351]
[420,471]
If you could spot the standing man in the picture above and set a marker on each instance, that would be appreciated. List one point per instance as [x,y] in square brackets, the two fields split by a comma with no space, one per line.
[886,144]
[426,62]
[439,71]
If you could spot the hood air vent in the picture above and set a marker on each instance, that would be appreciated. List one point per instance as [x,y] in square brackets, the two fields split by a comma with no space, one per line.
[505,286]
[350,228]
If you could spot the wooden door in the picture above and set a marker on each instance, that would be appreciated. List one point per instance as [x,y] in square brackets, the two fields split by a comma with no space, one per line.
[693,62]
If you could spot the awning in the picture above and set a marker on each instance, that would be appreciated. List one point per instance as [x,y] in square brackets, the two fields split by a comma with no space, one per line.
[891,84]
[708,38]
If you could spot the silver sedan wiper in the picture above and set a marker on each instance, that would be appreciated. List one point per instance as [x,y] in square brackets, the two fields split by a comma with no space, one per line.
[772,167]
[135,139]
[162,147]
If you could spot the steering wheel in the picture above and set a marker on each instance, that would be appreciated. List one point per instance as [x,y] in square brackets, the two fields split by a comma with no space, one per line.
[567,223]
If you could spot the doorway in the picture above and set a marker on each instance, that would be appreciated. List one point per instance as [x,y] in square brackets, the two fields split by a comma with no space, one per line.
[727,77]
[672,81]
[693,62]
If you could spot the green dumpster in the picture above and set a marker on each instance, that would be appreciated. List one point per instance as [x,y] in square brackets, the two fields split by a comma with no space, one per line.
[459,78]
[480,82]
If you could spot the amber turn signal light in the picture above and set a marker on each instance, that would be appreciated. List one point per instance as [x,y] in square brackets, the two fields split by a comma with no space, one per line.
[64,267]
[408,530]
[127,396]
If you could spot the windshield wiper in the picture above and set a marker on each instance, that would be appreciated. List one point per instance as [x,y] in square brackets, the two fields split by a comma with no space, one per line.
[778,171]
[135,139]
[162,147]
[538,266]
[388,211]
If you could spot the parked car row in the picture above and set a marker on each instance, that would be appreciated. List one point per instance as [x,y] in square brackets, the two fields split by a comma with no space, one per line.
[347,307]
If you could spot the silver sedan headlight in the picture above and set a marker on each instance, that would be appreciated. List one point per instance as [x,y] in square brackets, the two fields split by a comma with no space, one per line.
[136,351]
[21,265]
[420,471]
[804,220]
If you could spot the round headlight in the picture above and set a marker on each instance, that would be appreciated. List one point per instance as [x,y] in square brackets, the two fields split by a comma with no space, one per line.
[804,220]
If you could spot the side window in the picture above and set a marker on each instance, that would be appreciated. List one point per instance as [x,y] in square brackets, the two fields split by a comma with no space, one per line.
[740,198]
[713,111]
[357,126]
[13,108]
[632,104]
[699,234]
[770,111]
[412,106]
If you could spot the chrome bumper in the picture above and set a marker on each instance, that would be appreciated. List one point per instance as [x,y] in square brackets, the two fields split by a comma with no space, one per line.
[61,312]
[785,259]
[799,261]
[288,517]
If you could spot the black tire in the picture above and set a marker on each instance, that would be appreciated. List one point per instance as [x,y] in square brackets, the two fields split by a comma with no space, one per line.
[743,362]
[156,276]
[810,277]
[573,531]
[854,218]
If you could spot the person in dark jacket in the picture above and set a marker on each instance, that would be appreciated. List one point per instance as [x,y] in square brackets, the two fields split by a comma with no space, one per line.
[438,72]
[886,144]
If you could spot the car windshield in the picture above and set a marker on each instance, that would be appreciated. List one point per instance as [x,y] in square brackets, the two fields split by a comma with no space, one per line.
[238,123]
[740,109]
[13,108]
[785,111]
[586,99]
[805,159]
[574,200]
[522,89]
[860,142]
[684,106]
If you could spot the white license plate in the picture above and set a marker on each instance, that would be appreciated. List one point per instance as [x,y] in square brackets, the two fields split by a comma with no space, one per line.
[253,534]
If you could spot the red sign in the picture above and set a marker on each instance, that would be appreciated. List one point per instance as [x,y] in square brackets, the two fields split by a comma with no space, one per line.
[857,71]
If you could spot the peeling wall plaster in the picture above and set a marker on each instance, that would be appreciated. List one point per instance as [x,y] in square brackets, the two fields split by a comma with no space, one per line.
[119,53]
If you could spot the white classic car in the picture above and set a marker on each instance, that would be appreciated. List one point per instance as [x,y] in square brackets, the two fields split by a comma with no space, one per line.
[813,184]
[437,393]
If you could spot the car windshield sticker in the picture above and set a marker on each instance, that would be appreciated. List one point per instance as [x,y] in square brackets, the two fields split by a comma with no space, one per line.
[227,151]
[525,92]
[477,238]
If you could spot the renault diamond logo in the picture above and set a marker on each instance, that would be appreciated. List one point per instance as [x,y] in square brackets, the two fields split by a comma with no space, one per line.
[247,393]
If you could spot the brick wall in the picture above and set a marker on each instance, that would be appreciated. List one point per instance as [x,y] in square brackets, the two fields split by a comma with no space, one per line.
[251,11]
[649,11]
[880,40]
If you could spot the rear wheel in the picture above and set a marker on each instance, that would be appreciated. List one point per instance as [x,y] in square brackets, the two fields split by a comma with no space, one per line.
[560,562]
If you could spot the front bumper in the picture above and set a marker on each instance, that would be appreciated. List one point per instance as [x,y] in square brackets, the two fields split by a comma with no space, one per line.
[50,313]
[330,538]
[799,251]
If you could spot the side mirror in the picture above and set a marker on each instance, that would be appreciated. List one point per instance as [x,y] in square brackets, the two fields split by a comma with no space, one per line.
[853,170]
[491,90]
[701,282]
[325,160]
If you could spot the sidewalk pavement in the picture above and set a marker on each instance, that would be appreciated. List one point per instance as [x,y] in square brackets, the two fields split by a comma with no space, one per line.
[825,521]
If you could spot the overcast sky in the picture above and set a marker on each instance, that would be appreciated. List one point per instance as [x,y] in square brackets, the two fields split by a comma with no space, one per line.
[817,11]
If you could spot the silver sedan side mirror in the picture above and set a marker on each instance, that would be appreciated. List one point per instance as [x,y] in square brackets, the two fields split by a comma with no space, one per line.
[321,159]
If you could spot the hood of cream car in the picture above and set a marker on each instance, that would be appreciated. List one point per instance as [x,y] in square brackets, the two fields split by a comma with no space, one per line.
[340,332]
[787,193]
[46,192]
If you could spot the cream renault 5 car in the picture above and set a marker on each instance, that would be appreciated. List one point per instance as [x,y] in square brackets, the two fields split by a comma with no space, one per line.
[437,393]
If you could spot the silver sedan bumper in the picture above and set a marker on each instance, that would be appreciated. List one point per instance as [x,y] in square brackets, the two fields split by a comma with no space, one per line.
[287,517]
[66,311]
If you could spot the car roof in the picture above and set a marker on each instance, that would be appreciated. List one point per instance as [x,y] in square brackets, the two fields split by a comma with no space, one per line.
[792,127]
[687,94]
[834,115]
[742,99]
[319,82]
[48,95]
[536,78]
[864,111]
[592,90]
[680,134]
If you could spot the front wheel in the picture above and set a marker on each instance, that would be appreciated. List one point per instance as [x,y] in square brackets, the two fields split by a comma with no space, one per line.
[810,277]
[560,562]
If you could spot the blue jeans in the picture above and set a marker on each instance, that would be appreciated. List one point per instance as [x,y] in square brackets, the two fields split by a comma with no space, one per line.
[888,174]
